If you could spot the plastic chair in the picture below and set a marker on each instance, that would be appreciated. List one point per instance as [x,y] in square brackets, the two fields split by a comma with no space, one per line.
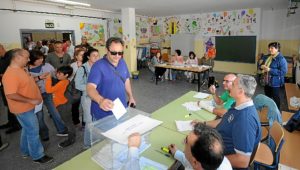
[268,155]
[253,154]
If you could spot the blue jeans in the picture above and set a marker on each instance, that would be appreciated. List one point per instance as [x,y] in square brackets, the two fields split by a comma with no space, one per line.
[44,131]
[30,140]
[87,118]
[58,122]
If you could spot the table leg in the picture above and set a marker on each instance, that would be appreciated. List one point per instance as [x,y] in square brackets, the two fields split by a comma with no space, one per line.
[199,80]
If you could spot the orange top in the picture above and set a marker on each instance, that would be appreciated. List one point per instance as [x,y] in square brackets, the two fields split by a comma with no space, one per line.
[58,91]
[18,81]
[211,52]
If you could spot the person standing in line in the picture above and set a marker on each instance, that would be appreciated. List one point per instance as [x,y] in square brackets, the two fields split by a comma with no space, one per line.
[109,80]
[23,94]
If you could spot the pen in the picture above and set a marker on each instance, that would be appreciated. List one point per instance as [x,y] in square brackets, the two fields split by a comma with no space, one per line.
[167,155]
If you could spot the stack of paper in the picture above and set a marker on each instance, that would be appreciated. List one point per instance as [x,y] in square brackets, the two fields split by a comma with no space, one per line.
[201,95]
[138,123]
[191,106]
[184,125]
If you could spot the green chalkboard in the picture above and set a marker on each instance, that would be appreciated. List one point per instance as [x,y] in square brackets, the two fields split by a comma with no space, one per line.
[239,49]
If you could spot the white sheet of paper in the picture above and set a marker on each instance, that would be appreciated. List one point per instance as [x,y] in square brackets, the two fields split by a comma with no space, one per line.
[201,95]
[38,107]
[146,163]
[119,110]
[183,125]
[191,106]
[285,167]
[138,123]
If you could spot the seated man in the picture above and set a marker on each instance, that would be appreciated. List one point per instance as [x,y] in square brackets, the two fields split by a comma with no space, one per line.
[225,100]
[240,126]
[203,140]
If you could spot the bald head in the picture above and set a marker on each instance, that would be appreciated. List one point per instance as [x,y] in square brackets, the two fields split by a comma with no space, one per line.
[228,80]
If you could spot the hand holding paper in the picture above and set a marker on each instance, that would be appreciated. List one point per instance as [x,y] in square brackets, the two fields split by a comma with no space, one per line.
[203,104]
[118,109]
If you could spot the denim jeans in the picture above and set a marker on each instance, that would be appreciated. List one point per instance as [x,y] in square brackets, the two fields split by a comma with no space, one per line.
[87,118]
[30,140]
[44,131]
[57,120]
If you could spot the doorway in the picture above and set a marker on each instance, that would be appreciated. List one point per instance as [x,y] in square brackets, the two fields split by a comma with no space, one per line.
[39,35]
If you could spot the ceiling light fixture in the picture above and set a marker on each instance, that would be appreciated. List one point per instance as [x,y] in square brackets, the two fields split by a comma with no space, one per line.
[67,2]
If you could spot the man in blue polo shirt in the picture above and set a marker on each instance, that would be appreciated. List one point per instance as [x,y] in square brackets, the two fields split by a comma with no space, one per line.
[240,126]
[109,80]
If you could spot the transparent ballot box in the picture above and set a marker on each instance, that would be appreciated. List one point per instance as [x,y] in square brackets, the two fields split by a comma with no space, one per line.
[109,137]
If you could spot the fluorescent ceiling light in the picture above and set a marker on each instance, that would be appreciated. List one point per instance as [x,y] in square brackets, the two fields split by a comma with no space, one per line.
[70,2]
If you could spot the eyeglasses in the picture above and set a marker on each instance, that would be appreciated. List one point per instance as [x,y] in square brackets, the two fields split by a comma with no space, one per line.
[227,81]
[61,60]
[120,53]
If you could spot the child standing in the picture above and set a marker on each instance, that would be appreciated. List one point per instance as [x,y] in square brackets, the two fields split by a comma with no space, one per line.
[60,101]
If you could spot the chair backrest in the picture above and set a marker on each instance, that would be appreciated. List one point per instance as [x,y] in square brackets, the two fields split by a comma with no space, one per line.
[263,116]
[253,154]
[277,133]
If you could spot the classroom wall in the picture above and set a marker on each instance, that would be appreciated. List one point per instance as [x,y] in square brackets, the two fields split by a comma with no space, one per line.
[276,26]
[10,31]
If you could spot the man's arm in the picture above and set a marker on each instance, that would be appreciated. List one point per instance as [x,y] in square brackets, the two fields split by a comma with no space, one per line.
[219,111]
[238,160]
[213,123]
[104,104]
[23,99]
[129,92]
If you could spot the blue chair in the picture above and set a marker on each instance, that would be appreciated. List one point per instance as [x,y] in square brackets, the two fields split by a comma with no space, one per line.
[268,155]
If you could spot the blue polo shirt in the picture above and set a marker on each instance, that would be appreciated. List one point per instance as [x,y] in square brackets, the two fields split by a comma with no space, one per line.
[240,129]
[109,84]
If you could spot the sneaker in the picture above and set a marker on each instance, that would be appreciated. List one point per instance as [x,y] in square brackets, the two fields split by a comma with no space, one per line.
[3,146]
[44,159]
[25,156]
[66,143]
[5,126]
[13,129]
[64,133]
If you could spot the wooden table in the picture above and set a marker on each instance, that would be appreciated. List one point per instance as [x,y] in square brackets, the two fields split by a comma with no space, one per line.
[291,90]
[198,70]
[290,152]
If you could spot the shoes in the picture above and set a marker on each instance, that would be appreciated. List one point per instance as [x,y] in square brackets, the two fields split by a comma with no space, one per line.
[25,156]
[13,129]
[66,143]
[44,159]
[5,126]
[64,133]
[3,146]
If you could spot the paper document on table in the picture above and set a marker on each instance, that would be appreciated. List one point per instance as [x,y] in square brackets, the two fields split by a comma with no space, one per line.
[191,106]
[183,125]
[201,95]
[146,163]
[284,167]
[119,110]
[138,123]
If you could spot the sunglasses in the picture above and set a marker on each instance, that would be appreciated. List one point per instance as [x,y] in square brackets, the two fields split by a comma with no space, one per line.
[115,53]
[61,60]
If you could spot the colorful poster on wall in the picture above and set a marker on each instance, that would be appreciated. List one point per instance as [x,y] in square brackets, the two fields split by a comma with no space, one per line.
[210,48]
[172,25]
[115,26]
[191,24]
[142,29]
[94,33]
[226,23]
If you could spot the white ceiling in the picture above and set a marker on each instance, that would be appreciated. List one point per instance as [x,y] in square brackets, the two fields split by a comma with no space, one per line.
[177,7]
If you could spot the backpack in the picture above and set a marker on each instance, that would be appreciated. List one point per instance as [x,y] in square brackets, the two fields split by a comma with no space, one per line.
[293,123]
[72,94]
